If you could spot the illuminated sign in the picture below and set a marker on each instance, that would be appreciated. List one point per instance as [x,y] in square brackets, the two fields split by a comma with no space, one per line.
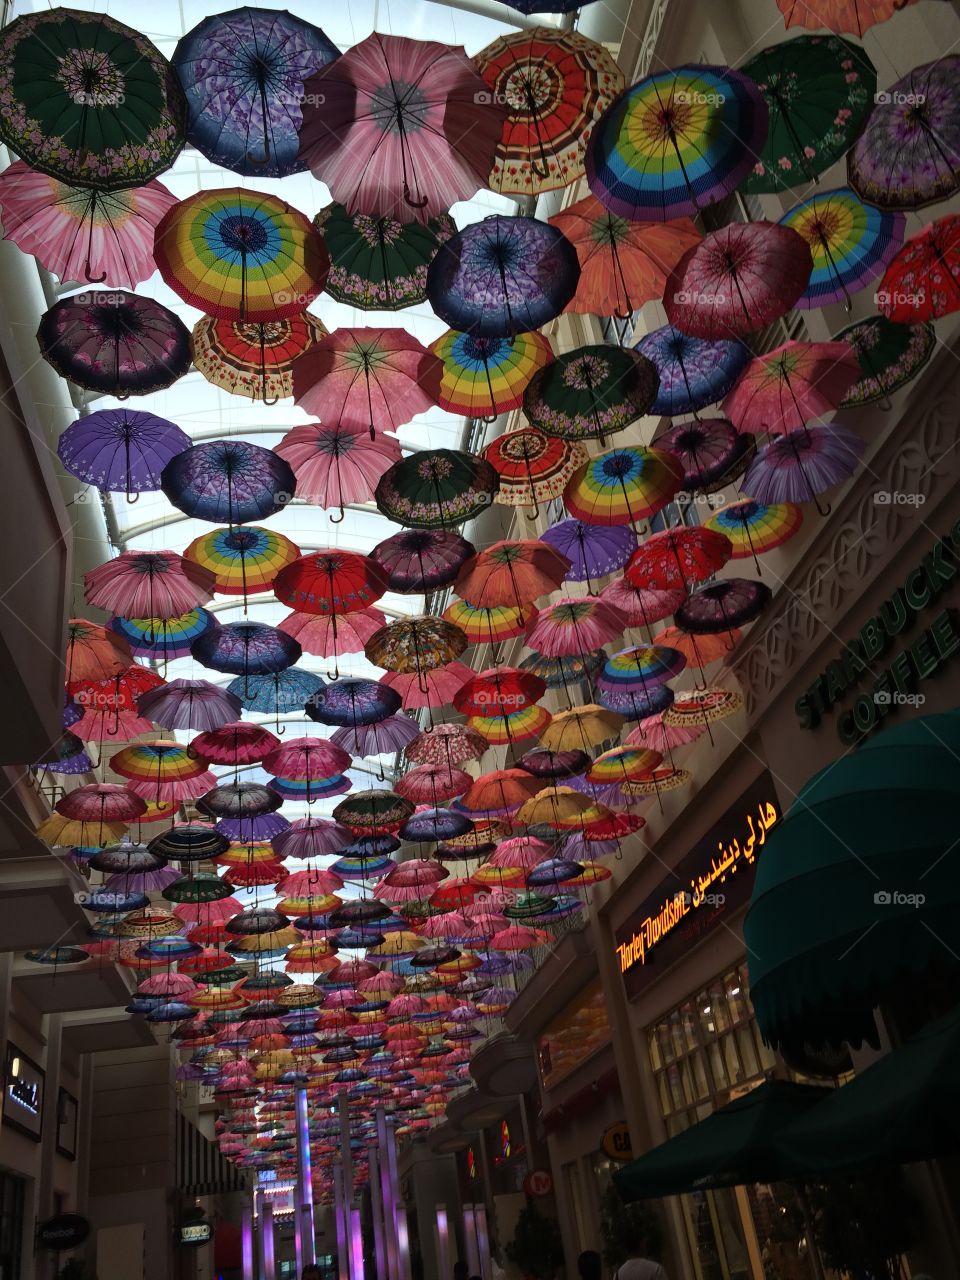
[505,1145]
[616,1142]
[23,1093]
[195,1233]
[26,1093]
[65,1231]
[895,684]
[472,1172]
[716,876]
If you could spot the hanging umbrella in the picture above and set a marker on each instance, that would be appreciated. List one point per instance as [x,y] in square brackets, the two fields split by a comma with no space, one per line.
[432,784]
[818,90]
[239,800]
[120,450]
[845,17]
[676,141]
[254,359]
[330,583]
[677,558]
[311,789]
[923,280]
[662,738]
[446,745]
[555,85]
[792,385]
[484,377]
[153,584]
[413,646]
[499,691]
[246,648]
[152,765]
[622,486]
[851,243]
[545,764]
[590,392]
[514,727]
[638,702]
[754,527]
[101,802]
[93,102]
[575,625]
[235,743]
[622,263]
[500,792]
[533,467]
[700,650]
[710,451]
[385,124]
[692,372]
[545,6]
[367,378]
[93,653]
[67,756]
[436,487]
[277,693]
[566,672]
[502,276]
[98,237]
[641,606]
[309,838]
[593,550]
[116,343]
[512,573]
[189,842]
[229,481]
[701,707]
[385,737]
[640,667]
[488,626]
[190,704]
[623,764]
[372,812]
[723,605]
[738,280]
[163,638]
[61,832]
[243,74]
[351,702]
[379,263]
[421,560]
[799,466]
[242,559]
[890,355]
[319,635]
[336,464]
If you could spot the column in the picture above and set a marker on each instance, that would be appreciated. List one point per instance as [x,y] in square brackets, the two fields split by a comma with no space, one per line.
[304,1230]
[376,1210]
[246,1242]
[340,1217]
[267,1264]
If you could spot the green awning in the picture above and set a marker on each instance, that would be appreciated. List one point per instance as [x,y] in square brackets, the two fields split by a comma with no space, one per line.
[859,886]
[736,1144]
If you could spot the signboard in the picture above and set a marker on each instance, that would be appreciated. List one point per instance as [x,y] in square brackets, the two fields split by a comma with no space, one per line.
[714,879]
[195,1234]
[65,1231]
[538,1183]
[575,1035]
[616,1142]
[23,1093]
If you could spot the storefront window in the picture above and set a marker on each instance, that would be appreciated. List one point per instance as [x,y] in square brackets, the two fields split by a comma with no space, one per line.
[11,1225]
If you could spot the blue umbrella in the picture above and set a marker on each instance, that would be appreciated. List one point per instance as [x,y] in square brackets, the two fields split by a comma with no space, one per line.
[242,75]
[694,372]
[435,824]
[276,693]
[66,756]
[637,704]
[246,648]
[353,701]
[503,276]
[107,900]
[553,872]
[228,482]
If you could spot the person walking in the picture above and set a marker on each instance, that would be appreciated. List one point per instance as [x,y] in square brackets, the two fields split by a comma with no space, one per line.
[638,1265]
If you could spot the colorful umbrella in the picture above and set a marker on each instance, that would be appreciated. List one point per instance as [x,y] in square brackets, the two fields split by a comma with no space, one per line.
[239,801]
[484,377]
[241,255]
[623,264]
[229,481]
[330,583]
[889,355]
[254,359]
[792,385]
[436,487]
[99,237]
[367,378]
[699,650]
[421,560]
[432,784]
[488,626]
[637,702]
[447,745]
[542,763]
[93,653]
[151,584]
[565,672]
[723,605]
[923,280]
[246,648]
[641,605]
[643,666]
[349,702]
[373,813]
[190,704]
[414,646]
[88,100]
[328,638]
[100,802]
[692,372]
[379,264]
[676,141]
[116,343]
[738,280]
[499,691]
[533,467]
[431,689]
[754,528]
[511,573]
[623,486]
[593,550]
[120,450]
[163,638]
[277,693]
[555,85]
[676,558]
[67,756]
[242,559]
[384,128]
[623,764]
[660,737]
[818,90]
[515,726]
[336,464]
[590,392]
[697,708]
[851,243]
[235,743]
[503,276]
[800,465]
[243,74]
[845,17]
[710,450]
[575,626]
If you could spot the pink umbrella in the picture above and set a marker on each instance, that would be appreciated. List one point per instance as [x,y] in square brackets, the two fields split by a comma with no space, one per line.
[737,280]
[656,735]
[441,685]
[121,724]
[96,237]
[337,462]
[447,744]
[172,789]
[208,912]
[432,784]
[306,759]
[316,634]
[311,838]
[400,128]
[522,851]
[190,704]
[235,743]
[642,605]
[448,924]
[575,625]
[315,883]
[367,378]
[148,584]
[167,984]
[416,872]
[795,384]
[518,938]
[380,983]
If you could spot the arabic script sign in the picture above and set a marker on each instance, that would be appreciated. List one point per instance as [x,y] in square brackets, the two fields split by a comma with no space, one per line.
[715,877]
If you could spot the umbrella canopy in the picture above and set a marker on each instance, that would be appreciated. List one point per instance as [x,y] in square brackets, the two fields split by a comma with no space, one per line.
[593,550]
[675,558]
[754,527]
[330,583]
[421,560]
[845,17]
[336,464]
[503,276]
[923,280]
[246,648]
[242,559]
[93,102]
[415,645]
[242,75]
[321,635]
[276,693]
[499,691]
[623,486]
[484,377]
[446,744]
[889,355]
[432,784]
[511,573]
[229,481]
[581,729]
[190,704]
[384,127]
[692,372]
[641,605]
[555,85]
[235,743]
[254,359]
[487,626]
[372,812]
[722,605]
[352,702]
[93,653]
[436,487]
[675,142]
[590,392]
[710,451]
[532,467]
[429,689]
[120,450]
[379,263]
[239,800]
[241,255]
[153,584]
[515,726]
[575,625]
[792,385]
[799,466]
[116,343]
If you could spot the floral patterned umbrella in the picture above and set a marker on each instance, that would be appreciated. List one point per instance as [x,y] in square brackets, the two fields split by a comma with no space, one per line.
[433,488]
[923,280]
[590,393]
[121,450]
[723,605]
[254,359]
[352,702]
[532,466]
[421,560]
[379,264]
[228,481]
[414,646]
[676,558]
[446,744]
[642,606]
[692,372]
[889,354]
[593,550]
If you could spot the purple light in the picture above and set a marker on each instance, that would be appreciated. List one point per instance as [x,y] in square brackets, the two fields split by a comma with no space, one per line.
[246,1242]
[356,1245]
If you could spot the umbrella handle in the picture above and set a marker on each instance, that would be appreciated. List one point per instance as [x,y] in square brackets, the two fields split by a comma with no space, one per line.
[340,518]
[271,401]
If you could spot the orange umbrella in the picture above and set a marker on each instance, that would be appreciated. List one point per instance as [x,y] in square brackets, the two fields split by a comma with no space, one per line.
[511,573]
[700,650]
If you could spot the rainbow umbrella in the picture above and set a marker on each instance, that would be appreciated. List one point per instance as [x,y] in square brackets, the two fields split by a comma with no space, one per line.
[484,377]
[242,559]
[623,486]
[158,762]
[163,638]
[311,789]
[533,467]
[676,141]
[488,626]
[644,665]
[501,730]
[241,255]
[755,527]
[623,764]
[851,243]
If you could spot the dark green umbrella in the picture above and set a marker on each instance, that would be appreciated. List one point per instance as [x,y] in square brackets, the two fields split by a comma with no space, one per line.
[436,488]
[858,888]
[88,100]
[203,887]
[379,264]
[889,354]
[905,1107]
[737,1144]
[818,90]
[591,392]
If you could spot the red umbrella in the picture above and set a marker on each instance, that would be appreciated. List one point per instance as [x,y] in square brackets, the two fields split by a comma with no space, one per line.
[502,791]
[330,583]
[149,584]
[455,893]
[433,784]
[923,280]
[93,652]
[511,573]
[111,704]
[499,691]
[676,558]
[337,463]
[103,803]
[796,383]
[642,605]
[737,280]
[367,378]
[237,743]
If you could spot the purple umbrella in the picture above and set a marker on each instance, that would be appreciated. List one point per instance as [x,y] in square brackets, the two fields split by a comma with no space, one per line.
[121,450]
[553,872]
[379,739]
[578,848]
[351,702]
[253,829]
[435,824]
[228,482]
[239,800]
[722,605]
[189,704]
[800,465]
[141,881]
[693,372]
[711,451]
[593,551]
[421,559]
[312,838]
[542,763]
[637,704]
[246,649]
[610,794]
[68,756]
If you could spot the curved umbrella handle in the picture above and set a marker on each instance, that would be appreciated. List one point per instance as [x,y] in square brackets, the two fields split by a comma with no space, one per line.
[340,518]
